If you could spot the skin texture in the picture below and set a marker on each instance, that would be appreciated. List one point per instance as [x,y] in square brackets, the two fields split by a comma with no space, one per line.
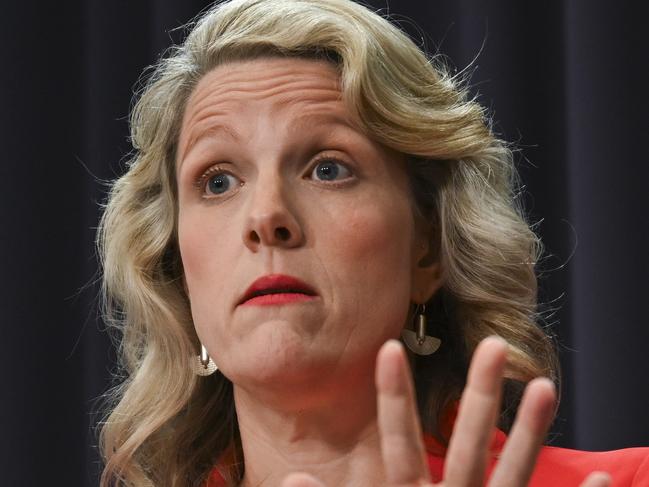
[400,430]
[310,393]
[295,367]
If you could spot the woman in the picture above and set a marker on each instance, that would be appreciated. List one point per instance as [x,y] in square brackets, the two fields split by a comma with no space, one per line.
[307,187]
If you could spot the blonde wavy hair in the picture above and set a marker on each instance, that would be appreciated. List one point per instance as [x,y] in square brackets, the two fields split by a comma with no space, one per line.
[166,427]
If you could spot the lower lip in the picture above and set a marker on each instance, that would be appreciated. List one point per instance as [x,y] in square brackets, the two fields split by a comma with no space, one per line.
[279,298]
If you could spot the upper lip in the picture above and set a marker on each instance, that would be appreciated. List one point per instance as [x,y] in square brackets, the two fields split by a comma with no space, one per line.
[276,282]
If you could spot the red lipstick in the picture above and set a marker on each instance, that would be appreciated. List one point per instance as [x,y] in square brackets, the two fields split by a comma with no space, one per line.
[276,289]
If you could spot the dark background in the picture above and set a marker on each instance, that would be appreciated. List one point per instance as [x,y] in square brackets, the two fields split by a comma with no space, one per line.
[567,81]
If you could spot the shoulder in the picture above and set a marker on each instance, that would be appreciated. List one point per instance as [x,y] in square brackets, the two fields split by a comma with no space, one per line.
[561,467]
[565,467]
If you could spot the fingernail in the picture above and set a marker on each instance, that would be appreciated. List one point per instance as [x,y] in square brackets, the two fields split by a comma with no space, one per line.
[389,369]
[547,381]
[497,338]
[393,342]
[497,341]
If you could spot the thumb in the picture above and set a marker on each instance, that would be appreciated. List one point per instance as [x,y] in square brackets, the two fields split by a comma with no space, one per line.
[597,479]
[301,480]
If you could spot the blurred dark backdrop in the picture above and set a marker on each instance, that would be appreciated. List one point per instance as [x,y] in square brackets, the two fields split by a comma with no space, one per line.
[565,80]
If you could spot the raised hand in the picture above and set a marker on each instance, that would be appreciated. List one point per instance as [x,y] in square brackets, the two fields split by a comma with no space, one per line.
[466,461]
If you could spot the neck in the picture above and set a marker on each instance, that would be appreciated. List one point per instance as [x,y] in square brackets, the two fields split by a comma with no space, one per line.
[332,434]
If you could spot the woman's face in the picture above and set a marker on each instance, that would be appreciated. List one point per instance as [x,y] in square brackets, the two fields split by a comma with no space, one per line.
[273,178]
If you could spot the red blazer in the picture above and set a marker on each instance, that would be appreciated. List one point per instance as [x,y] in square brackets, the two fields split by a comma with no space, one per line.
[561,467]
[555,467]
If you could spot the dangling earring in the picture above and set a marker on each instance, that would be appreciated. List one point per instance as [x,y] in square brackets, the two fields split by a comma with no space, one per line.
[203,364]
[417,341]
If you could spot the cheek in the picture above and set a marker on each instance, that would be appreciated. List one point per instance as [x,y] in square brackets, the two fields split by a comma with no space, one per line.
[371,266]
[204,254]
[192,239]
[205,242]
[377,237]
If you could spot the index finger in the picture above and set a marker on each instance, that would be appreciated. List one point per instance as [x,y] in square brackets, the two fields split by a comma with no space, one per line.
[401,438]
[468,448]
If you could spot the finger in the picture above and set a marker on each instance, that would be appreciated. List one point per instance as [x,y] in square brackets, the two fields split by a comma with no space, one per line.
[597,479]
[468,448]
[300,479]
[533,419]
[401,438]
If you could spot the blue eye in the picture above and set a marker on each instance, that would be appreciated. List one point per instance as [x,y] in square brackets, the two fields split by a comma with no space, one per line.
[218,182]
[330,170]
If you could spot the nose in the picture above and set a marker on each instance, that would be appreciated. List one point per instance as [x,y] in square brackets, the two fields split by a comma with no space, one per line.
[270,221]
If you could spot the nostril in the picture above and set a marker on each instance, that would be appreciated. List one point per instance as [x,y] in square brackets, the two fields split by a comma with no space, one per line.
[254,237]
[282,234]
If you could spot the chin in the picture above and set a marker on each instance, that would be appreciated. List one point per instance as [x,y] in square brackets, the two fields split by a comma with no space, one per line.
[279,356]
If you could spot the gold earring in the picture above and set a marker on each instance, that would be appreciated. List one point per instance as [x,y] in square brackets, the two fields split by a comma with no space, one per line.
[417,341]
[203,364]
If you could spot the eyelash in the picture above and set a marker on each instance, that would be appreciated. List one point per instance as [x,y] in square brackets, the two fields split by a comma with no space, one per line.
[200,182]
[202,179]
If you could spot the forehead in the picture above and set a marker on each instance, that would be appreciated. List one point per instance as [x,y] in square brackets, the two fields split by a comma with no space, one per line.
[265,77]
[288,86]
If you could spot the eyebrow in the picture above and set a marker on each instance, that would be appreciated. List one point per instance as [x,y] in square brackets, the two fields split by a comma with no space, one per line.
[299,123]
[212,131]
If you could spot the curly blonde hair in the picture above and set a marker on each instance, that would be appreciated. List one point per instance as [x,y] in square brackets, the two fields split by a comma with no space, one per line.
[163,426]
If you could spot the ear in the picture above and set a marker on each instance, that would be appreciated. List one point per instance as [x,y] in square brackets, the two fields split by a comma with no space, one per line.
[426,271]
